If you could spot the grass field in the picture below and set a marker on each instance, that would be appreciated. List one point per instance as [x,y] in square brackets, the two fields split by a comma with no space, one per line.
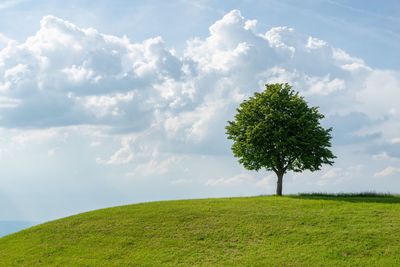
[304,230]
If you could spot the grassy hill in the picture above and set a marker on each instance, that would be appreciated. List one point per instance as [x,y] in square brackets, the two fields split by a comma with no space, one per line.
[309,230]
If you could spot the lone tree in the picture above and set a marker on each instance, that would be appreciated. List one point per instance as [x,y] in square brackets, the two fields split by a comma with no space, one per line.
[276,130]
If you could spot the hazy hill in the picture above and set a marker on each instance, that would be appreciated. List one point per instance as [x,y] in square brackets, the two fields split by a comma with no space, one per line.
[8,227]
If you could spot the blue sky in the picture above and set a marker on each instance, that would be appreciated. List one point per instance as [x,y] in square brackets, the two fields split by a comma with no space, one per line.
[114,102]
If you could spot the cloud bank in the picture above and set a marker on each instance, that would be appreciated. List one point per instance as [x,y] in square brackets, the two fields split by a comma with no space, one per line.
[66,75]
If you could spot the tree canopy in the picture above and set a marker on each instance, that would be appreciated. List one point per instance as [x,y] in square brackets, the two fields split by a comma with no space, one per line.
[278,131]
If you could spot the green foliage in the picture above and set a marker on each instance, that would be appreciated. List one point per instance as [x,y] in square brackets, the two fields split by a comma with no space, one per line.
[276,130]
[322,231]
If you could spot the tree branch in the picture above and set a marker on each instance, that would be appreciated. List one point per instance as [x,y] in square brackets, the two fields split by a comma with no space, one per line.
[290,161]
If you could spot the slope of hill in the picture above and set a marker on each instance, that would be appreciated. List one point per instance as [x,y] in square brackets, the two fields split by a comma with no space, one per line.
[255,231]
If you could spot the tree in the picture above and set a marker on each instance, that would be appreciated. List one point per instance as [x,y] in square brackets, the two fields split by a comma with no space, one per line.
[276,130]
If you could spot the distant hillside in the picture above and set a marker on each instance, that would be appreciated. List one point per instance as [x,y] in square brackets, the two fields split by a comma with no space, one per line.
[8,227]
[257,231]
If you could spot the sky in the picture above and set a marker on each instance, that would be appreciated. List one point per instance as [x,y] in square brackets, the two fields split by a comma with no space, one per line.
[106,103]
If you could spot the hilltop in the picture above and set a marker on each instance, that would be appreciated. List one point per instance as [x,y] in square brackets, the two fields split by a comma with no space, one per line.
[309,230]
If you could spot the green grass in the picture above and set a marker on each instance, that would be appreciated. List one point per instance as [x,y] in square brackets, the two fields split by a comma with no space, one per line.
[303,230]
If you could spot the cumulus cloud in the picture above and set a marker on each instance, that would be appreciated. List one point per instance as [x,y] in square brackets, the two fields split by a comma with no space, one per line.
[235,180]
[38,136]
[243,179]
[387,171]
[66,75]
[155,166]
[338,175]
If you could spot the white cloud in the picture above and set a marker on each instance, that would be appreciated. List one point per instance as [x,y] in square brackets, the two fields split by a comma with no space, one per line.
[123,155]
[6,102]
[331,176]
[315,43]
[243,179]
[9,3]
[95,143]
[239,179]
[381,156]
[40,135]
[395,140]
[387,171]
[54,71]
[106,105]
[181,181]
[80,74]
[155,167]
[325,86]
[379,94]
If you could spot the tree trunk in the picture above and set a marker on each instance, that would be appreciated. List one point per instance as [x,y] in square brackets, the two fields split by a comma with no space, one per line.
[279,183]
